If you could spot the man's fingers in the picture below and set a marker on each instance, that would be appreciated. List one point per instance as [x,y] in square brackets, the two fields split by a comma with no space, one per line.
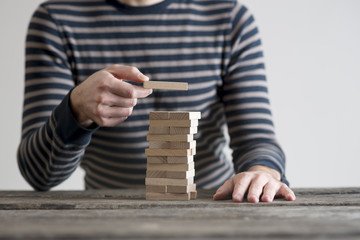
[256,188]
[242,182]
[112,100]
[127,72]
[269,192]
[127,90]
[224,191]
[286,192]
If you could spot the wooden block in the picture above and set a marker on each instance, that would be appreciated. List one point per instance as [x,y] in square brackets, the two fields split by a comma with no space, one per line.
[159,115]
[165,159]
[153,144]
[172,145]
[185,159]
[155,174]
[169,181]
[180,174]
[168,196]
[157,159]
[170,138]
[184,115]
[169,152]
[193,195]
[182,189]
[159,130]
[182,145]
[170,167]
[166,85]
[182,130]
[174,123]
[156,188]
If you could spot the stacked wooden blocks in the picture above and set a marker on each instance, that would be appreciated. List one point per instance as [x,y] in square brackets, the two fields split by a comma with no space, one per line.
[170,156]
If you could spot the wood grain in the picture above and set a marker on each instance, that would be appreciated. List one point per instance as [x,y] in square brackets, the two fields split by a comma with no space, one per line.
[162,85]
[319,213]
[169,152]
[170,138]
[174,123]
[171,167]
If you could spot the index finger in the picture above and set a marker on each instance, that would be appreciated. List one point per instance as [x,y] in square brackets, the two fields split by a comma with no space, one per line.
[130,73]
[128,90]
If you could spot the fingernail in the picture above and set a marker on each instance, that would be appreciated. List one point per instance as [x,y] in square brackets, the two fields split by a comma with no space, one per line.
[266,198]
[237,198]
[290,197]
[143,77]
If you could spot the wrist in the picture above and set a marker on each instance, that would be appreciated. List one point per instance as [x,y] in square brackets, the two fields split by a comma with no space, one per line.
[75,106]
[274,173]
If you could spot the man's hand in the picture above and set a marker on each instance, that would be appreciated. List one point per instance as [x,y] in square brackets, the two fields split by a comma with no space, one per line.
[104,98]
[259,182]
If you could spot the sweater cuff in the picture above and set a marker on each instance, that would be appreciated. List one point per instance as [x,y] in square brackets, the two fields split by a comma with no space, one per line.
[68,128]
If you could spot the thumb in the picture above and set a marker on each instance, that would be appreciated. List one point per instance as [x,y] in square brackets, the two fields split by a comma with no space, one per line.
[225,191]
[130,73]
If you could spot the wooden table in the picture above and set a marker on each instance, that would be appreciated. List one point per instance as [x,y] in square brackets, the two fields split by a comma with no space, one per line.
[114,214]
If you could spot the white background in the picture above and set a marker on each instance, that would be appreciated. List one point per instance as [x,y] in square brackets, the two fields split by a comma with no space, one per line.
[312,51]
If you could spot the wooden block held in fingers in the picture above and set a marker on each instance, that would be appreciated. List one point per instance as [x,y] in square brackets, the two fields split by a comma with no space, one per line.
[157,159]
[193,195]
[169,181]
[170,167]
[180,174]
[184,115]
[169,152]
[156,188]
[170,138]
[174,123]
[185,159]
[168,196]
[156,174]
[182,189]
[159,115]
[166,85]
[183,130]
[159,130]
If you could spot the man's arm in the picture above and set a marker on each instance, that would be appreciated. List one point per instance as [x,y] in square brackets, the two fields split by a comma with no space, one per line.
[258,159]
[58,119]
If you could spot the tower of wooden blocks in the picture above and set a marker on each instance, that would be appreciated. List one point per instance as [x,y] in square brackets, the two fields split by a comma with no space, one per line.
[170,156]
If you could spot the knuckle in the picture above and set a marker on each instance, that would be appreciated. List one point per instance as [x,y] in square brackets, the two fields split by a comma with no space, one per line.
[260,177]
[245,175]
[99,99]
[130,93]
[98,111]
[104,83]
[133,70]
[128,112]
[133,102]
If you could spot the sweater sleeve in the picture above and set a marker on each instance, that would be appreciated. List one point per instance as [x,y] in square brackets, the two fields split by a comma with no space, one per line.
[52,142]
[246,101]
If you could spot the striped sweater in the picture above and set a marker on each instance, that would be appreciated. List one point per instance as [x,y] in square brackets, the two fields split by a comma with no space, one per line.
[212,45]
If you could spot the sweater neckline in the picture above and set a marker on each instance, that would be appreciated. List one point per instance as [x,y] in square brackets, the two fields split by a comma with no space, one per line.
[158,7]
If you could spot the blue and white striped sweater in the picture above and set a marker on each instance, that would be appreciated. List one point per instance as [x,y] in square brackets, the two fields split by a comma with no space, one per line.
[212,45]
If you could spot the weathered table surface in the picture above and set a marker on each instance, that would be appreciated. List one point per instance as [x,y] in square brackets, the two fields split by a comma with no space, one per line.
[114,214]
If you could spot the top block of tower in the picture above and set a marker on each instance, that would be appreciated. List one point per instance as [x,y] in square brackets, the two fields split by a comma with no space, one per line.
[174,115]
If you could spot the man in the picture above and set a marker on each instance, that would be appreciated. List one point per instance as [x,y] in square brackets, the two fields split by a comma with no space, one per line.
[84,103]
